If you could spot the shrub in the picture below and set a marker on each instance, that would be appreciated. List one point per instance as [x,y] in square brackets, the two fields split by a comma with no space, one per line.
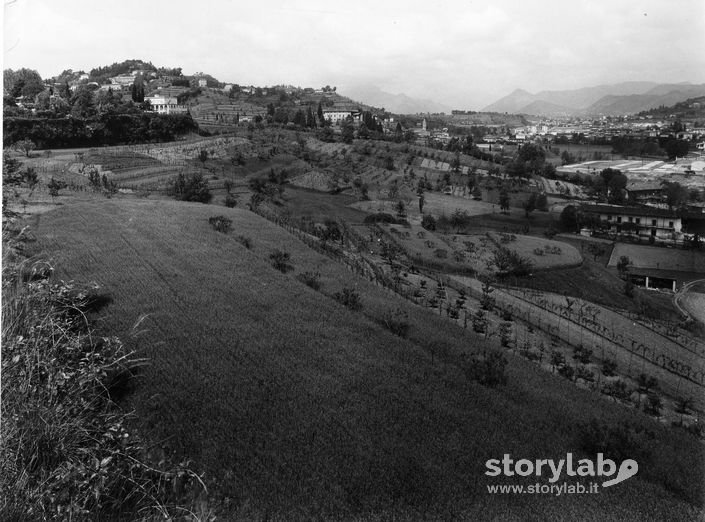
[567,371]
[428,222]
[396,322]
[582,354]
[230,200]
[280,261]
[221,223]
[618,390]
[488,369]
[441,253]
[311,279]
[609,367]
[350,298]
[653,404]
[245,241]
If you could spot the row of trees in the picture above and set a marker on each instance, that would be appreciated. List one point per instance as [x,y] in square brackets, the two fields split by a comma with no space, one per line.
[112,128]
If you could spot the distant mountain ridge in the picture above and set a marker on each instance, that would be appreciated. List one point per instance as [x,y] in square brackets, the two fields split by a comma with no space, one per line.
[613,100]
[395,103]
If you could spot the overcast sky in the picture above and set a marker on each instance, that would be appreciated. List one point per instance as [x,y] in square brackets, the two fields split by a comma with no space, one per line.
[464,54]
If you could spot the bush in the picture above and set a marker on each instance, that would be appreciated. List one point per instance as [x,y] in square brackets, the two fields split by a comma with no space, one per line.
[567,371]
[311,279]
[221,223]
[609,367]
[280,261]
[383,217]
[428,222]
[245,241]
[396,322]
[489,369]
[230,200]
[350,298]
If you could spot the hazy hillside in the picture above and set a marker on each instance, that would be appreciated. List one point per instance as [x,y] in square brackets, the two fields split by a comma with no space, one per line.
[396,103]
[622,98]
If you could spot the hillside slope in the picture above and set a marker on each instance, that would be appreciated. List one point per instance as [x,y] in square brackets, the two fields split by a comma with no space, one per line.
[296,407]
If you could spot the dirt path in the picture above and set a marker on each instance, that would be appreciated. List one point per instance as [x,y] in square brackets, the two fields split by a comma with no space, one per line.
[690,300]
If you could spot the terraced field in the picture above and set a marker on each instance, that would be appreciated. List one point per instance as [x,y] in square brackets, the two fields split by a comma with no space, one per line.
[297,407]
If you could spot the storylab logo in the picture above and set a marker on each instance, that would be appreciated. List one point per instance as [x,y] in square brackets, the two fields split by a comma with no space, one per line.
[567,468]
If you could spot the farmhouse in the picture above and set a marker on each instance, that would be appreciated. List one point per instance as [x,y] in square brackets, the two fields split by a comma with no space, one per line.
[645,191]
[339,113]
[643,221]
[164,105]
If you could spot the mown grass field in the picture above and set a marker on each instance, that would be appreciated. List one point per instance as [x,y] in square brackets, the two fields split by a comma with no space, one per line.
[644,256]
[296,407]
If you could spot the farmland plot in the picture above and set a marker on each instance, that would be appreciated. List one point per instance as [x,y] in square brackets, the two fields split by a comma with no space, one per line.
[298,407]
[679,366]
[643,256]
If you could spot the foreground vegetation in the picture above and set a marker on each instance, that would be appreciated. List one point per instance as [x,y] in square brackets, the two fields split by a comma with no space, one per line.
[68,451]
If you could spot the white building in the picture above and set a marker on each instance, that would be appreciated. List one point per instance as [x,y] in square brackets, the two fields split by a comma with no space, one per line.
[336,115]
[164,105]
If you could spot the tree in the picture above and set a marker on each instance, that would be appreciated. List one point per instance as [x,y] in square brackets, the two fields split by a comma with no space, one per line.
[569,218]
[23,82]
[192,188]
[138,89]
[623,265]
[26,146]
[459,219]
[613,184]
[676,194]
[83,103]
[455,162]
[542,202]
[319,113]
[401,209]
[10,169]
[55,186]
[504,201]
[530,204]
[347,131]
[420,194]
[676,148]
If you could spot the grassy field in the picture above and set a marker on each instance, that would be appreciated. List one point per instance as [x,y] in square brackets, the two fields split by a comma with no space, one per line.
[643,256]
[296,407]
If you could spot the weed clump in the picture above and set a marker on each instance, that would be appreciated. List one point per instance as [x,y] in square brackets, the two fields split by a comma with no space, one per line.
[280,261]
[221,223]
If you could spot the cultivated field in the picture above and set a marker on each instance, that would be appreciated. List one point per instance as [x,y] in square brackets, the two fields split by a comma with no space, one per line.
[297,407]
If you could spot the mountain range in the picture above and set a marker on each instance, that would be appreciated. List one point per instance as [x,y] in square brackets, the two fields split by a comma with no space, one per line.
[610,100]
[396,103]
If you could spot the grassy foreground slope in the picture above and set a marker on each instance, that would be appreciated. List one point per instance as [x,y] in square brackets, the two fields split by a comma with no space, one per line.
[296,407]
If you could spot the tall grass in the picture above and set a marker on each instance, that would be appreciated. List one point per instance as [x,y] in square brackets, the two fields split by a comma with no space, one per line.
[67,448]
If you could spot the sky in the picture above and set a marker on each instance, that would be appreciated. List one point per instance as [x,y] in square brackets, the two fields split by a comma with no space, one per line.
[463,54]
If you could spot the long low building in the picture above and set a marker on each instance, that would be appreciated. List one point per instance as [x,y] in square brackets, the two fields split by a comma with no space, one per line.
[661,224]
